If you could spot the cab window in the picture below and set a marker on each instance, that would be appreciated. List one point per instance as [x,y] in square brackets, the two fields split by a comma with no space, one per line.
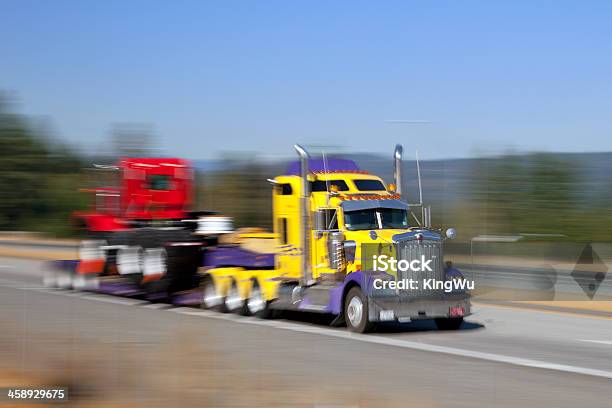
[369,185]
[323,185]
[283,189]
[326,220]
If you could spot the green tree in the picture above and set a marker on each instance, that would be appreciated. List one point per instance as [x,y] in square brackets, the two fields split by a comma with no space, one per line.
[538,193]
[38,180]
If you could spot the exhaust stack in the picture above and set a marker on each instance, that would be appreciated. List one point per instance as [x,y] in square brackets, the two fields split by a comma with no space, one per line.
[305,215]
[397,168]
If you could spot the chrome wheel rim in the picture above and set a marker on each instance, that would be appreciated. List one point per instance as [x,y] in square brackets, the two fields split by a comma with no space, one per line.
[209,296]
[256,302]
[232,300]
[130,260]
[354,311]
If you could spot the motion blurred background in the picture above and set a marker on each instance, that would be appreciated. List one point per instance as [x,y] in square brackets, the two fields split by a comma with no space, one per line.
[560,196]
[507,104]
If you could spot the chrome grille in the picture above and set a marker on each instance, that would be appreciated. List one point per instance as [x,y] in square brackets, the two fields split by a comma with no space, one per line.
[414,249]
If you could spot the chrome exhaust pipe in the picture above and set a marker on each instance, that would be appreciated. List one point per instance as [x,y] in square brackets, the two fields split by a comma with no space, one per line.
[397,168]
[426,217]
[305,215]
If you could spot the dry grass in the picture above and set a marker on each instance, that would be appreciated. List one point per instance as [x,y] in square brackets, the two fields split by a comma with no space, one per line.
[185,371]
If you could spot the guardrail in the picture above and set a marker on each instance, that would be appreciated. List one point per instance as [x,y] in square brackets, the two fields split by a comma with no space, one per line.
[38,244]
[496,275]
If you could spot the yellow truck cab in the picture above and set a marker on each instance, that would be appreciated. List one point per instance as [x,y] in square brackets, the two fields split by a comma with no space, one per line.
[332,223]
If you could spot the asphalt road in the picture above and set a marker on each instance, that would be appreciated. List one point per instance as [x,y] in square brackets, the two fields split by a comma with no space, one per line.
[157,355]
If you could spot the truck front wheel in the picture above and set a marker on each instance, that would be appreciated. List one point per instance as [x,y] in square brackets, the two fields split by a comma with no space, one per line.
[356,311]
[449,323]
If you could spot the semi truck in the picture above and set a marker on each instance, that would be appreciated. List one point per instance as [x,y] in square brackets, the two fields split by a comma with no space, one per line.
[141,231]
[329,219]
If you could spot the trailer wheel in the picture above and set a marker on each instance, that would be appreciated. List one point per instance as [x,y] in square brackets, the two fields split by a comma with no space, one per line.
[256,305]
[85,282]
[232,302]
[50,279]
[356,311]
[183,256]
[449,323]
[63,279]
[210,298]
[155,279]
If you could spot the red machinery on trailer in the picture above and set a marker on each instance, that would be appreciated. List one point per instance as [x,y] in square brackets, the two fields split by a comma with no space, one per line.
[142,229]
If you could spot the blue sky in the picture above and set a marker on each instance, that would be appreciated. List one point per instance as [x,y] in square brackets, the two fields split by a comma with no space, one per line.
[261,75]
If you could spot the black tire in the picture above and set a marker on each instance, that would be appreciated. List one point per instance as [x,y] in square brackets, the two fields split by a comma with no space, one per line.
[215,301]
[356,311]
[449,323]
[182,267]
[182,261]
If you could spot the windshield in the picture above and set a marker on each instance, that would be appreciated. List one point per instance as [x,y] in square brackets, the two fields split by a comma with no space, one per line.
[376,218]
[160,182]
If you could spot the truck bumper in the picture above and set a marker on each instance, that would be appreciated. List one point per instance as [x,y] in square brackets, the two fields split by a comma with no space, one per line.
[403,310]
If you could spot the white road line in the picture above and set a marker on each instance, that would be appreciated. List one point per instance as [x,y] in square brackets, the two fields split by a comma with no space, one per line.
[190,312]
[63,292]
[113,299]
[498,358]
[156,306]
[609,343]
[387,341]
[38,288]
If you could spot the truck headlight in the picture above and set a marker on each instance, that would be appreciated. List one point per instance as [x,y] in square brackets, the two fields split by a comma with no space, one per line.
[451,233]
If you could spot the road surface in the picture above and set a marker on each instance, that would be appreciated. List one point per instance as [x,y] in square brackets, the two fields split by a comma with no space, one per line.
[156,355]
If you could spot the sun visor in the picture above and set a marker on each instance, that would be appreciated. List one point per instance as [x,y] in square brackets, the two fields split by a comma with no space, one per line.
[356,205]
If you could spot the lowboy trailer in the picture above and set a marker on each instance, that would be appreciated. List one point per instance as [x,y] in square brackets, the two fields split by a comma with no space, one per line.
[329,219]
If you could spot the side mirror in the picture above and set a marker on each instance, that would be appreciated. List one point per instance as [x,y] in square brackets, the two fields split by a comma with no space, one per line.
[392,188]
[451,233]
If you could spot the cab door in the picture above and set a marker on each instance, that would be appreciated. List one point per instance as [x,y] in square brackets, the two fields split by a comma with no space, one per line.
[286,227]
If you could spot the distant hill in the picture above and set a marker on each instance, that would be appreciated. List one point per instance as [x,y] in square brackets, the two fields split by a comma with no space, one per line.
[447,180]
